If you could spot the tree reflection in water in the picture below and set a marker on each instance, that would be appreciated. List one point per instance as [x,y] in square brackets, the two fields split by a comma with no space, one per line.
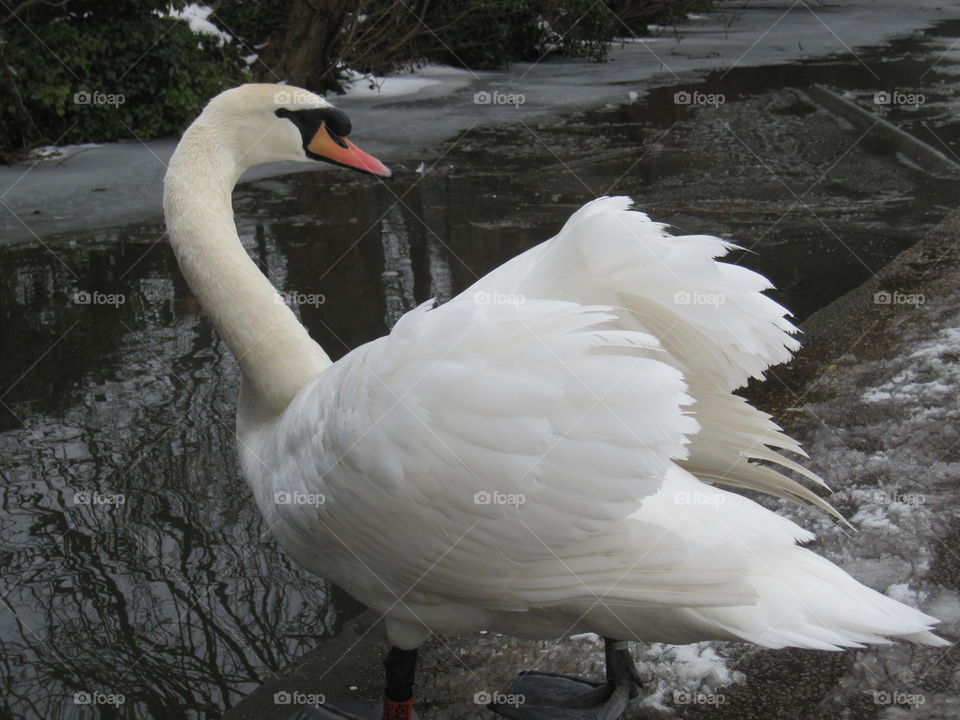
[133,556]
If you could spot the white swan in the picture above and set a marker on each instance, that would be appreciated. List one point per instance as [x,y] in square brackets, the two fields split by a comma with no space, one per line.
[540,455]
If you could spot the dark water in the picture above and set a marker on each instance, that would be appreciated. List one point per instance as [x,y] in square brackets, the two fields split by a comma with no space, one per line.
[132,555]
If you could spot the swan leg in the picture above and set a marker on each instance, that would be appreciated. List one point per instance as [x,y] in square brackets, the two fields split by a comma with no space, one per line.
[400,667]
[555,696]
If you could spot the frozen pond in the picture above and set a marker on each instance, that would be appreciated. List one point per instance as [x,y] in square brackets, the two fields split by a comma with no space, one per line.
[132,554]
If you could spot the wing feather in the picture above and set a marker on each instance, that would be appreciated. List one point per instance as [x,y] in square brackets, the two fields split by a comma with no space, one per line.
[533,428]
[508,456]
[712,319]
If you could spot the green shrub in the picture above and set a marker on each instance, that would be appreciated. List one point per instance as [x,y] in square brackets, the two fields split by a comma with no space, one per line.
[142,75]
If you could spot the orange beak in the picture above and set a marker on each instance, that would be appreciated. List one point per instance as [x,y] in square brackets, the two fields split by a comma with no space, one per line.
[332,148]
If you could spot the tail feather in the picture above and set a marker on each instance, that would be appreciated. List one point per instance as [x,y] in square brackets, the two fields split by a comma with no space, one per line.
[806,601]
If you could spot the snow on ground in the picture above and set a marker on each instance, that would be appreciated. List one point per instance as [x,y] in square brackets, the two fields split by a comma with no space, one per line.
[59,153]
[196,16]
[884,431]
[888,442]
[931,376]
[679,675]
[360,85]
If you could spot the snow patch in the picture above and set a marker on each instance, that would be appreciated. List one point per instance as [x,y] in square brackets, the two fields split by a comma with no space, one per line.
[684,675]
[59,152]
[196,17]
[930,377]
[359,85]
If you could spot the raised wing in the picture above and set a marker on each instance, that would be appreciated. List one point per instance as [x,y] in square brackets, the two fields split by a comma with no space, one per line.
[490,451]
[712,318]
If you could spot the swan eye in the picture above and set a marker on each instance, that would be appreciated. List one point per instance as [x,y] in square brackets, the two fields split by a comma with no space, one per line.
[282,113]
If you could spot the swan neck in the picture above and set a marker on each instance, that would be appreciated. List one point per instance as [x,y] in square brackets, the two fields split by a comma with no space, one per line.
[274,351]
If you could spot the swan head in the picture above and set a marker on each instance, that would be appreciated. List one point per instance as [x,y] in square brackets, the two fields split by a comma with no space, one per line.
[270,123]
